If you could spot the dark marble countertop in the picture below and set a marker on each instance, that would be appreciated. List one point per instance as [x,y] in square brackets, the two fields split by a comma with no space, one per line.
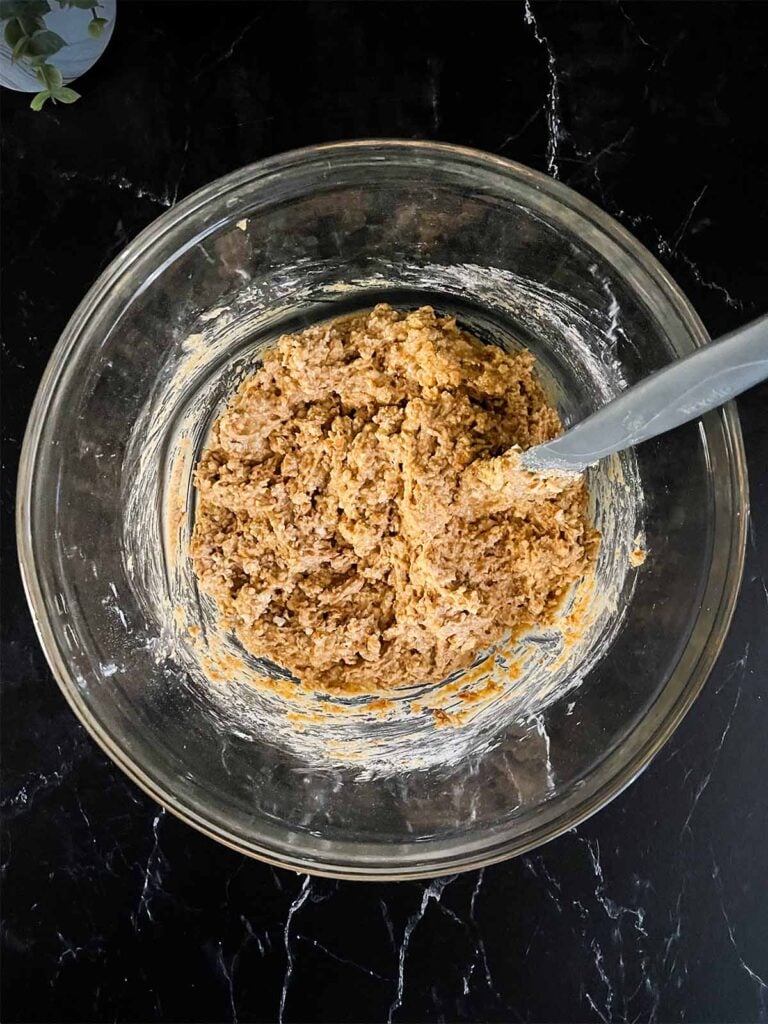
[655,909]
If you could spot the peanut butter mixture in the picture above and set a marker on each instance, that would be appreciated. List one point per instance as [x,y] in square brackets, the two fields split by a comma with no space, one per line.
[363,520]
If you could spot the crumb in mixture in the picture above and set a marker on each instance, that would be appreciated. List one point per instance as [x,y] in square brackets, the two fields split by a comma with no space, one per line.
[363,519]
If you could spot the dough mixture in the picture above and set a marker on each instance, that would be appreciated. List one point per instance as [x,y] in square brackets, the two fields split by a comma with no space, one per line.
[362,520]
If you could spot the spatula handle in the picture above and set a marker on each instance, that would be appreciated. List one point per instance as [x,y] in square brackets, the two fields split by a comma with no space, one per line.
[674,395]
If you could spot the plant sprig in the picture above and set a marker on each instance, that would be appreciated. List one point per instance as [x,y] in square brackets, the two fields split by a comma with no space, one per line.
[32,43]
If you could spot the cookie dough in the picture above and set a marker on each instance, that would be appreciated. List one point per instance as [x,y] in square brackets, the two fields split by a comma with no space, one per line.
[362,517]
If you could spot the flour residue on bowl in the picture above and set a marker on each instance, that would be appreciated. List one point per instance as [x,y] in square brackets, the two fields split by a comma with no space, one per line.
[418,726]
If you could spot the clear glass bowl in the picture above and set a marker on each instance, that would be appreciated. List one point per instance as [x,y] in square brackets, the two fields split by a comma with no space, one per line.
[346,788]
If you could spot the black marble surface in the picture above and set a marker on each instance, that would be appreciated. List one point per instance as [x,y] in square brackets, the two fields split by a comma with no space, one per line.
[655,909]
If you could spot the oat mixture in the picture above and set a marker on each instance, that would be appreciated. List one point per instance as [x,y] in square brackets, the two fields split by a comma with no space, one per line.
[361,518]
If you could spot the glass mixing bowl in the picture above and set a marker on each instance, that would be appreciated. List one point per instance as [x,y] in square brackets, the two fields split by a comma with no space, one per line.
[358,788]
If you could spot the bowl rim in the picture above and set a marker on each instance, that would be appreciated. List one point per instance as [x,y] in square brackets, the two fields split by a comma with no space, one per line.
[711,645]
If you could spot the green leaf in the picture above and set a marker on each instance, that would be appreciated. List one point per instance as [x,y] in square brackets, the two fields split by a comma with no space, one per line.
[50,76]
[65,95]
[84,5]
[32,25]
[46,43]
[23,8]
[96,27]
[20,48]
[13,32]
[39,99]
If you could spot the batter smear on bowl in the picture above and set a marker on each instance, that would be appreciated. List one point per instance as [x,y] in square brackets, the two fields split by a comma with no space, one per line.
[362,518]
